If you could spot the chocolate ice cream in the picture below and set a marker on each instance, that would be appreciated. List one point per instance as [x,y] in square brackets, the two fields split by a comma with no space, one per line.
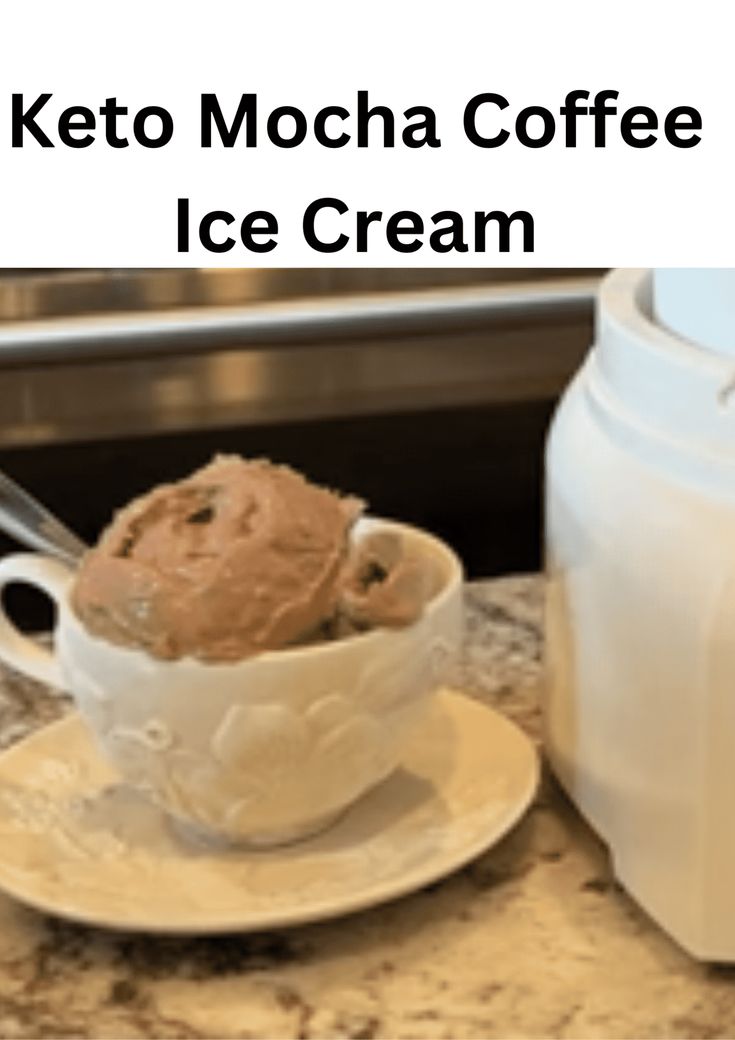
[240,557]
[383,584]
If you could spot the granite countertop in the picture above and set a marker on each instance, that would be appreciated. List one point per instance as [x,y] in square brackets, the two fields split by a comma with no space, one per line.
[533,939]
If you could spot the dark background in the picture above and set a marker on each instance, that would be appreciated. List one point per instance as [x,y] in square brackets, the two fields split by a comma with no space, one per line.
[471,475]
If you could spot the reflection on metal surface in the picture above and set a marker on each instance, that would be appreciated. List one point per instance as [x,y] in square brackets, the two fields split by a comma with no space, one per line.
[38,295]
[330,344]
[328,318]
[43,404]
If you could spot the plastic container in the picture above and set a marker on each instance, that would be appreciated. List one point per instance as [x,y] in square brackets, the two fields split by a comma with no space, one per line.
[640,690]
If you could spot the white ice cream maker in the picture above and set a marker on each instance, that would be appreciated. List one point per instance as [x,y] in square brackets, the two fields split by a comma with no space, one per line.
[640,621]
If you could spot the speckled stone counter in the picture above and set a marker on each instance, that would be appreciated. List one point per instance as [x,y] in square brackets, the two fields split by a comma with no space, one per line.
[534,939]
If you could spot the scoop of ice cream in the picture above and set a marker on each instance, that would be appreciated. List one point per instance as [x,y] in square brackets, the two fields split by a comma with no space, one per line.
[383,584]
[241,556]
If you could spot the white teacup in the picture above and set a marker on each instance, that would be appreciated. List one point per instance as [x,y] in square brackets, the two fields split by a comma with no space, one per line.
[264,750]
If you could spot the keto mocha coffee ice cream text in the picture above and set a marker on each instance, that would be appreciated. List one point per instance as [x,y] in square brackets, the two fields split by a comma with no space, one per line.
[240,557]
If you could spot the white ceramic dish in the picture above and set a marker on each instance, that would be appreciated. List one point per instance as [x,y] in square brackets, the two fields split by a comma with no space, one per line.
[261,750]
[76,843]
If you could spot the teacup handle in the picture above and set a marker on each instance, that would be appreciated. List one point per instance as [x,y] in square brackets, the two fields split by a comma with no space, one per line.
[25,655]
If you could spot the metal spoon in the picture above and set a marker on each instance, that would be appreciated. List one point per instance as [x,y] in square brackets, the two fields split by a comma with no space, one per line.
[25,519]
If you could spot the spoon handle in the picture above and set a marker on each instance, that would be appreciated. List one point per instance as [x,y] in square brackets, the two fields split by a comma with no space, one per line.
[25,519]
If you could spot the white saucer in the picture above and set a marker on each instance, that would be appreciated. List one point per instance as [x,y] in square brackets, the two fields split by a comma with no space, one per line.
[75,843]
